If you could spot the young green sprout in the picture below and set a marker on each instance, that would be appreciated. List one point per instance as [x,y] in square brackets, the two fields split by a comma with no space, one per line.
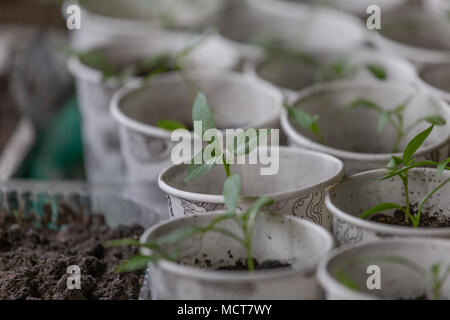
[213,153]
[436,276]
[145,68]
[395,118]
[231,191]
[400,167]
[245,222]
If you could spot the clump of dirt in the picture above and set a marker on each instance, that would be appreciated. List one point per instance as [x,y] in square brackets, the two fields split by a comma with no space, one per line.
[34,259]
[241,265]
[427,220]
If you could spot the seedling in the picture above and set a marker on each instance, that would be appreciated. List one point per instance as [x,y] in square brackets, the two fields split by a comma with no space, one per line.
[145,68]
[305,120]
[242,144]
[436,276]
[400,167]
[170,125]
[395,117]
[340,69]
[245,222]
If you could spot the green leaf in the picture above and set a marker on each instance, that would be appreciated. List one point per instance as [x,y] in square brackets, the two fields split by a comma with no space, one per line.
[380,208]
[198,169]
[409,167]
[377,71]
[345,280]
[441,167]
[394,162]
[255,208]
[365,103]
[415,144]
[170,125]
[384,117]
[231,191]
[135,263]
[305,120]
[435,119]
[201,112]
[179,235]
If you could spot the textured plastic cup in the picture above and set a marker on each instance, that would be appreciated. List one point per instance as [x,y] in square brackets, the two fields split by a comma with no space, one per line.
[414,35]
[276,237]
[298,188]
[352,134]
[303,26]
[291,74]
[396,280]
[348,200]
[103,160]
[114,21]
[236,100]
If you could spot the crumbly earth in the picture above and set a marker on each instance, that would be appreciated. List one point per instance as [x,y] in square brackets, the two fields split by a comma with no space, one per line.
[427,220]
[34,260]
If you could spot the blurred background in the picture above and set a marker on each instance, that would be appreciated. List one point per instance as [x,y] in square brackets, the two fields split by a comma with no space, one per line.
[41,117]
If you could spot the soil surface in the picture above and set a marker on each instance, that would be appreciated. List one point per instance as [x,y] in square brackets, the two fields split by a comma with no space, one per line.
[241,265]
[427,220]
[34,260]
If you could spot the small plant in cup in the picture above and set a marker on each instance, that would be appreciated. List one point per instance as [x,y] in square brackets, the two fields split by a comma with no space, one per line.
[145,67]
[231,190]
[400,167]
[436,275]
[394,117]
[240,145]
[245,221]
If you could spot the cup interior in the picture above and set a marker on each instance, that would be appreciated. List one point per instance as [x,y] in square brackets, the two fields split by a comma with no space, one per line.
[363,191]
[356,129]
[404,267]
[235,101]
[417,29]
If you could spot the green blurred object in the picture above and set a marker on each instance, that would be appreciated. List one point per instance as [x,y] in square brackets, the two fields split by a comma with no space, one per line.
[58,152]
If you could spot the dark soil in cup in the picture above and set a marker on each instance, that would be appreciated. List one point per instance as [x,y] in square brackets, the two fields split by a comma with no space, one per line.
[34,260]
[428,219]
[241,265]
